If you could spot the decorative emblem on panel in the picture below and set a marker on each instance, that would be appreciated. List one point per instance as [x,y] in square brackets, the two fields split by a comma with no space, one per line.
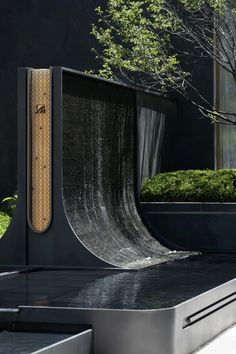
[40,108]
[39,151]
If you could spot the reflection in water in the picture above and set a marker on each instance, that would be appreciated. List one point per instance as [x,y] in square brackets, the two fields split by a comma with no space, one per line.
[159,287]
[163,286]
[100,293]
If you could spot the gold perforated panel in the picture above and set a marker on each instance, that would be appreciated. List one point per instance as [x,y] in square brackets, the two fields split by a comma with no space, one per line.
[40,150]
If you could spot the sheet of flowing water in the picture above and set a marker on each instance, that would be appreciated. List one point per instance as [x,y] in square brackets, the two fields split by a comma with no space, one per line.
[99,174]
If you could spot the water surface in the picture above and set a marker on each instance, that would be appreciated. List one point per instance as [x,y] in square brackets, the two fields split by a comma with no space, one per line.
[163,286]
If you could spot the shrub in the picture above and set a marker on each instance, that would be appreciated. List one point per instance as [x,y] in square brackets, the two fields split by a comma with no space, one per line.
[9,205]
[4,222]
[191,186]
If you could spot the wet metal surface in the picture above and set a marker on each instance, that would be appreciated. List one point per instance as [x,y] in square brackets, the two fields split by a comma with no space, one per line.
[9,271]
[163,286]
[25,342]
[4,269]
[99,126]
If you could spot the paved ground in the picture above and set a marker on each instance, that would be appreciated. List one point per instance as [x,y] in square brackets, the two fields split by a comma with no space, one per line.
[224,344]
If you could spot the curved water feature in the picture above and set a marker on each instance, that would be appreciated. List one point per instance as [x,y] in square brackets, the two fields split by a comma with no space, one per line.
[99,157]
[62,280]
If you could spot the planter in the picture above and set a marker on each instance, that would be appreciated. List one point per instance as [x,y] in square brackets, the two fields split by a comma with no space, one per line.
[193,226]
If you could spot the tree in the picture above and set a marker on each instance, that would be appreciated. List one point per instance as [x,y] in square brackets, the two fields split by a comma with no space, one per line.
[143,41]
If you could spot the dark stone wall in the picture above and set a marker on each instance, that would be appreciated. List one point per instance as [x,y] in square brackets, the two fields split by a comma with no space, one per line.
[43,33]
[195,134]
[37,33]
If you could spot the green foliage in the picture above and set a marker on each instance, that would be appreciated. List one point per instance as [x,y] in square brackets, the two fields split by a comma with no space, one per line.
[4,222]
[191,186]
[9,205]
[135,38]
[195,5]
[138,43]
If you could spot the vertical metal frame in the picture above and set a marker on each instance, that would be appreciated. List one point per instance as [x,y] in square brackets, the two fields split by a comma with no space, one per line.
[217,99]
[217,103]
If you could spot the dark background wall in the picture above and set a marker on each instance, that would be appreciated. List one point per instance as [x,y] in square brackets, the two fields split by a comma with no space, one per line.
[194,147]
[43,33]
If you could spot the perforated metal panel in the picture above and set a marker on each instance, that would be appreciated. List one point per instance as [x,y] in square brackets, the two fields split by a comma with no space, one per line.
[39,150]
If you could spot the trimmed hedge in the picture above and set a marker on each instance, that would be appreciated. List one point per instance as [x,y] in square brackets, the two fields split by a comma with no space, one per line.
[191,186]
[4,222]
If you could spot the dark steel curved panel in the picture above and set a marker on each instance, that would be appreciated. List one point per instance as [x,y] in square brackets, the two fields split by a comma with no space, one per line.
[99,123]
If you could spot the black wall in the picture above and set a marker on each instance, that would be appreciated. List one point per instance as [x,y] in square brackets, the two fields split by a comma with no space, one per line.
[37,33]
[43,33]
[194,134]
